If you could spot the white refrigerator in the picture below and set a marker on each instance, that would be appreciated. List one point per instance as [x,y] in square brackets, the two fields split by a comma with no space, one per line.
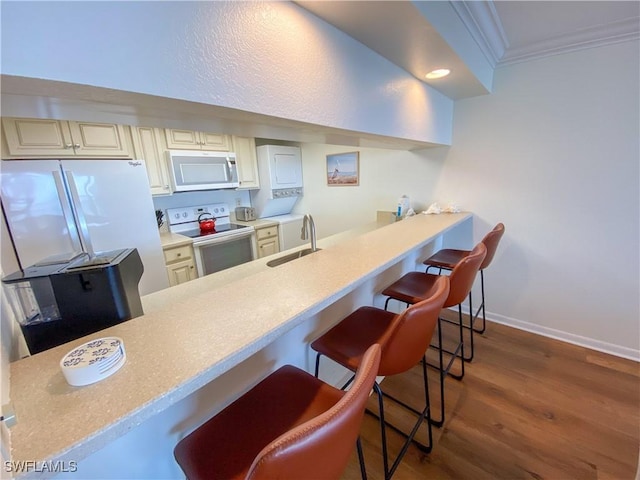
[59,208]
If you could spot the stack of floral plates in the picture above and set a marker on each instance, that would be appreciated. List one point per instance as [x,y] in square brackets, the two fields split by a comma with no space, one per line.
[93,361]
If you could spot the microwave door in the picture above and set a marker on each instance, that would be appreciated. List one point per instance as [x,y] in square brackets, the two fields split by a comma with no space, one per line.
[208,173]
[203,172]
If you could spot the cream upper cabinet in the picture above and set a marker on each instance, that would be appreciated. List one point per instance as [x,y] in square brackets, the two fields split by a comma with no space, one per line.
[247,162]
[99,139]
[31,137]
[148,145]
[189,140]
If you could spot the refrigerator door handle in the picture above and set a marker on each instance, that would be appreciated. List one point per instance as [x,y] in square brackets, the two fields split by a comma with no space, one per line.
[85,238]
[67,212]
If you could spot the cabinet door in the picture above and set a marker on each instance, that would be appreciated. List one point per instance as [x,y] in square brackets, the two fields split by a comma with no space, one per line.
[37,137]
[268,247]
[266,232]
[147,145]
[99,139]
[181,272]
[182,139]
[247,162]
[215,141]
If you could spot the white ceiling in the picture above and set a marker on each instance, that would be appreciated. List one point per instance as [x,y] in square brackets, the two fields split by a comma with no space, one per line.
[506,31]
[537,29]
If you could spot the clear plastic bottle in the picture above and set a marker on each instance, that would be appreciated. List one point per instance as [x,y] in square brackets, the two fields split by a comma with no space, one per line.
[403,206]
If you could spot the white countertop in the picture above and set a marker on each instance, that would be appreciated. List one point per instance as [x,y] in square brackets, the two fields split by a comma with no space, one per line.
[258,223]
[191,343]
[170,240]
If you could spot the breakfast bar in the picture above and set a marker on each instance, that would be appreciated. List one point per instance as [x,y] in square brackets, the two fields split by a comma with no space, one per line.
[200,344]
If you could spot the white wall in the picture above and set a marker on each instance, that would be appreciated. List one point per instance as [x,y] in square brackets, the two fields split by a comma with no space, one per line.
[273,58]
[554,154]
[187,199]
[385,175]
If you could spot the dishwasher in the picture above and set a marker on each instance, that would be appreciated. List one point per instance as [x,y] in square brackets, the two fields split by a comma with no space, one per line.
[289,230]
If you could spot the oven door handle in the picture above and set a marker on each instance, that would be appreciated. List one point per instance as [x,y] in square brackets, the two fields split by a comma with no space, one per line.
[223,239]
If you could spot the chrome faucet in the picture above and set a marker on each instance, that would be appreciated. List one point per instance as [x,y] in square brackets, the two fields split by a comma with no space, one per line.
[308,225]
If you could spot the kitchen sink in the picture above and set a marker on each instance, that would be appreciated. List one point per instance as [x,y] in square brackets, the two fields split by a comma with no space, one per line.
[291,256]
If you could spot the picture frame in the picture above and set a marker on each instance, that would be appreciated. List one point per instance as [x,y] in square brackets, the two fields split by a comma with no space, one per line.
[343,169]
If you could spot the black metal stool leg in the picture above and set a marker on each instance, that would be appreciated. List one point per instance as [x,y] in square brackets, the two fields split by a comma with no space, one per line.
[386,303]
[471,319]
[409,438]
[481,308]
[439,423]
[471,341]
[459,348]
[383,430]
[317,365]
[363,469]
[484,313]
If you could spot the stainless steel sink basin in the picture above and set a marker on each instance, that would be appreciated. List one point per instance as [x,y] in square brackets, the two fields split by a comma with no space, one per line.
[291,256]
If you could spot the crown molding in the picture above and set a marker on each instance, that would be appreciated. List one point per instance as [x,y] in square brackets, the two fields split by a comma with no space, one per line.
[600,35]
[483,23]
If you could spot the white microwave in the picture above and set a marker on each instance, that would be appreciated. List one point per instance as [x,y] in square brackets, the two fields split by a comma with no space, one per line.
[201,170]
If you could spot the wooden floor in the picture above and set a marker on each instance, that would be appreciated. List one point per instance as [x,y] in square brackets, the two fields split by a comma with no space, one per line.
[529,407]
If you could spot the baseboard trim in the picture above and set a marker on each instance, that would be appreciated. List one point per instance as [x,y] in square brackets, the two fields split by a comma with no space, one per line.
[610,348]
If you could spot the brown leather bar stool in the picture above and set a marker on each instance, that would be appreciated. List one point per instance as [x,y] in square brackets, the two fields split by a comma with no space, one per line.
[290,425]
[404,339]
[414,287]
[447,258]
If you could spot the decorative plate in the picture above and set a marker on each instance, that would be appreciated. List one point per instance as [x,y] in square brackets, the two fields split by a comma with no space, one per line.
[93,361]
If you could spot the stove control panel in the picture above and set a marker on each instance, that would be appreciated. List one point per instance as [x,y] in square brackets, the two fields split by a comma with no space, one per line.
[191,214]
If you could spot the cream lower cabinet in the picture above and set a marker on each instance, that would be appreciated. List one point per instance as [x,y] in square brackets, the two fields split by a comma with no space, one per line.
[190,140]
[148,145]
[34,137]
[247,162]
[180,263]
[267,239]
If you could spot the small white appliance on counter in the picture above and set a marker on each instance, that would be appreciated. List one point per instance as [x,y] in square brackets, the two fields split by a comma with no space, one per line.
[246,214]
[226,246]
[280,170]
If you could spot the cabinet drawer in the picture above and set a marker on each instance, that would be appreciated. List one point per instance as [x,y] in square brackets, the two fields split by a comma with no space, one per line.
[267,232]
[178,254]
[268,246]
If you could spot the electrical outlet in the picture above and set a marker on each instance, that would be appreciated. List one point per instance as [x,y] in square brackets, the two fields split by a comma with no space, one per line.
[238,202]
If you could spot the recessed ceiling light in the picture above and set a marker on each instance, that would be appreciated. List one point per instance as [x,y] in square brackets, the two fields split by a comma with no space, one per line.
[439,73]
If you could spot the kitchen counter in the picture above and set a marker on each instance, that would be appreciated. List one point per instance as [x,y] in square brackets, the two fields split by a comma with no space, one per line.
[170,240]
[191,342]
[160,300]
[257,223]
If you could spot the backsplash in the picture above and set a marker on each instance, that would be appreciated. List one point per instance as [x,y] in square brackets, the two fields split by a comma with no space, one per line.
[233,198]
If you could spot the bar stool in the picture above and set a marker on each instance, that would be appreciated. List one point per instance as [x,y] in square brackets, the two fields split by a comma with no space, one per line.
[404,339]
[447,258]
[414,287]
[290,425]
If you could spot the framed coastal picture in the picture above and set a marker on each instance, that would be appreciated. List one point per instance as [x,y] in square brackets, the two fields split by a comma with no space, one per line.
[343,169]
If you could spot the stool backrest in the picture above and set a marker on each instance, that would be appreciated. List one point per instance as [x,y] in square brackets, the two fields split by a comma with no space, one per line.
[463,275]
[491,241]
[322,446]
[409,336]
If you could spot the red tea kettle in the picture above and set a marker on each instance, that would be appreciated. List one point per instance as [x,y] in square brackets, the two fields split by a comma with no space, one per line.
[207,225]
